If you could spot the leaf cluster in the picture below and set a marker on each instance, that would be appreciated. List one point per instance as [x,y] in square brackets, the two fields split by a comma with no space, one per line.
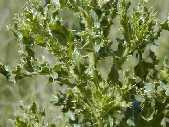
[100,89]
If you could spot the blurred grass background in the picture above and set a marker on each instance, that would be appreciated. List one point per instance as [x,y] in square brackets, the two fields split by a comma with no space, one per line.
[38,89]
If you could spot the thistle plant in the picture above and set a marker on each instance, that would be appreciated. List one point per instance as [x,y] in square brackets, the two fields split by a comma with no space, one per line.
[104,87]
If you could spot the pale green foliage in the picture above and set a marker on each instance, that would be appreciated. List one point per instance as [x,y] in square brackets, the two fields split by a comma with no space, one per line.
[100,91]
[32,117]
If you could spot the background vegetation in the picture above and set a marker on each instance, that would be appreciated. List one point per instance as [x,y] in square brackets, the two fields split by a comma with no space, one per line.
[26,91]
